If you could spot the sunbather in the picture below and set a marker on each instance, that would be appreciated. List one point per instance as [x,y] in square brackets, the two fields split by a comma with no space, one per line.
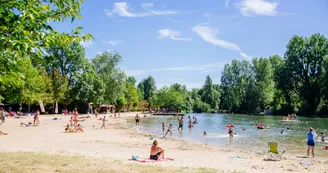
[3,133]
[68,129]
[78,128]
[156,153]
[26,125]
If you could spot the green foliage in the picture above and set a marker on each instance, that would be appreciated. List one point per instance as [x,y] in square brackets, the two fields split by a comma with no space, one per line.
[106,65]
[131,93]
[147,87]
[303,71]
[25,25]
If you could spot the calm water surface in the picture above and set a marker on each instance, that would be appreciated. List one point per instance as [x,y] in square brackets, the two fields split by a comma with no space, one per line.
[252,139]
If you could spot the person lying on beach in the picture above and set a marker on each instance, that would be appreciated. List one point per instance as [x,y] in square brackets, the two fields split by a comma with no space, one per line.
[322,137]
[204,133]
[325,147]
[78,128]
[169,130]
[68,129]
[104,123]
[3,133]
[26,125]
[156,153]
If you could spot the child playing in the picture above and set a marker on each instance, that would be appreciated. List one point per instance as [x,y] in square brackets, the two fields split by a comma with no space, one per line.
[169,130]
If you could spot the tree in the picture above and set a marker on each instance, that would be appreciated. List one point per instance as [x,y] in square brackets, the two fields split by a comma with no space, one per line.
[148,86]
[132,80]
[304,65]
[67,59]
[25,26]
[235,80]
[130,94]
[210,95]
[88,86]
[106,65]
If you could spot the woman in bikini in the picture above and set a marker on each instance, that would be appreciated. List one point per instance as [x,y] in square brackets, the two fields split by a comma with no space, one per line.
[156,153]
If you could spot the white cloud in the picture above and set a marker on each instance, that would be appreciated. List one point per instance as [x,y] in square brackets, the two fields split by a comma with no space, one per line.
[245,55]
[210,35]
[257,7]
[174,35]
[122,9]
[113,42]
[226,3]
[204,68]
[88,43]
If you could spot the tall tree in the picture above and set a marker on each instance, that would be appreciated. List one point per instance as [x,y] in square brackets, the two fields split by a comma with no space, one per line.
[304,66]
[148,86]
[107,68]
[210,95]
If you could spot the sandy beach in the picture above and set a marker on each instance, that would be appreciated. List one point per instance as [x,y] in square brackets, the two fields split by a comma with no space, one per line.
[119,142]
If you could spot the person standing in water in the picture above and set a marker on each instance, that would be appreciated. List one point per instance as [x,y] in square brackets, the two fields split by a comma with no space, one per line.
[230,131]
[322,137]
[310,141]
[181,124]
[163,126]
[137,118]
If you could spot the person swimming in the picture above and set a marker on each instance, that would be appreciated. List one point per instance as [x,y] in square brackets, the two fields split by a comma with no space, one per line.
[288,128]
[282,131]
[204,133]
[243,128]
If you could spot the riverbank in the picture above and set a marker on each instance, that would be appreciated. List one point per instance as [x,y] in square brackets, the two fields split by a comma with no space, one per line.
[119,142]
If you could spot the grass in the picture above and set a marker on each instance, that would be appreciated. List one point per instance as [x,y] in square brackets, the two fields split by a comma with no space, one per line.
[40,163]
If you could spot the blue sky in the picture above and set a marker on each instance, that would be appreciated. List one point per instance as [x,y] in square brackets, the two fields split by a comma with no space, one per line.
[185,40]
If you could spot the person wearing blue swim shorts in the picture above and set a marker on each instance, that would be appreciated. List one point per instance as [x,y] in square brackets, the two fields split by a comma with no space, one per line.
[310,141]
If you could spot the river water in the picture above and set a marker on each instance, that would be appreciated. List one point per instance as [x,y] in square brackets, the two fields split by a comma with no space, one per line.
[251,139]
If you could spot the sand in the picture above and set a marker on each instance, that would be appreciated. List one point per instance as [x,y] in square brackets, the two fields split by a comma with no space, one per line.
[120,142]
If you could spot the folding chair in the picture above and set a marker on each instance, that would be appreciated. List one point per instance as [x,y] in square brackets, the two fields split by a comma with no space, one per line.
[273,151]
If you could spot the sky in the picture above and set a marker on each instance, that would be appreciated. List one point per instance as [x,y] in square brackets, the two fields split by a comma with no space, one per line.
[183,41]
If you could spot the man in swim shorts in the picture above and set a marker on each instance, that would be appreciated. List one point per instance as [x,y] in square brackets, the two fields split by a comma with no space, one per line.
[181,124]
[137,118]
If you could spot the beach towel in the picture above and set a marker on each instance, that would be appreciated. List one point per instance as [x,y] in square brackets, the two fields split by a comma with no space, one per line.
[145,160]
[306,163]
[237,157]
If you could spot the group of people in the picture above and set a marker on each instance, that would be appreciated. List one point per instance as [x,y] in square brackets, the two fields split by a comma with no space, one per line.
[289,117]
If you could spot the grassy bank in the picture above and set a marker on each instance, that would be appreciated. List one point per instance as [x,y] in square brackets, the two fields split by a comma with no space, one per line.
[40,163]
